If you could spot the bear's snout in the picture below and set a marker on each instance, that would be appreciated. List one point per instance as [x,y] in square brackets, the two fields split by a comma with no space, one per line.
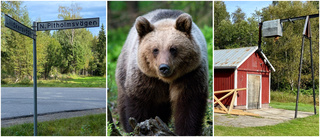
[164,70]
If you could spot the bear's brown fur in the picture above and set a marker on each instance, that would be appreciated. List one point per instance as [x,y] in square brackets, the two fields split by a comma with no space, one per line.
[163,70]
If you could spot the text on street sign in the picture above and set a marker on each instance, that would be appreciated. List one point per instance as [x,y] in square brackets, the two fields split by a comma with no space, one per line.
[17,26]
[68,24]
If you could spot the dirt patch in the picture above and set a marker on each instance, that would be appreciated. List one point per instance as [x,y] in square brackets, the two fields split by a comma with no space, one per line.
[51,116]
[270,116]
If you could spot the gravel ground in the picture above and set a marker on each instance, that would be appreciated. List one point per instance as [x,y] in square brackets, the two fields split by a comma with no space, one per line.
[50,116]
[243,121]
[270,116]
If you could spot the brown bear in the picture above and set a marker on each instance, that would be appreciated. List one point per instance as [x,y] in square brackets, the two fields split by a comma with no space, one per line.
[163,70]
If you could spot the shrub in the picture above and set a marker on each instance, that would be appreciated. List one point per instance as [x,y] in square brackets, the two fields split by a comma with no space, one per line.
[25,81]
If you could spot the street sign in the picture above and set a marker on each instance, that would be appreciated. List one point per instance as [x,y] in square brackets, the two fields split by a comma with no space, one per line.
[17,26]
[41,26]
[68,24]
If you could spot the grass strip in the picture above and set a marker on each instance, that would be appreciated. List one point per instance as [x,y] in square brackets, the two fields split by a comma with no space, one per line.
[67,82]
[292,106]
[91,125]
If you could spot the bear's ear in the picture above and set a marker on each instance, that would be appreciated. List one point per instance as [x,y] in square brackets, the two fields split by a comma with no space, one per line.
[184,23]
[143,26]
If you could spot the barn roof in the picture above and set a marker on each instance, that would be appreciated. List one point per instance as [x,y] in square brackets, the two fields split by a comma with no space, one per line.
[233,58]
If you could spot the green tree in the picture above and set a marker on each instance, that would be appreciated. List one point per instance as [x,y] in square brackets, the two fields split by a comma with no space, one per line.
[220,13]
[285,52]
[68,37]
[16,49]
[223,36]
[49,54]
[84,52]
[241,33]
[238,15]
[101,52]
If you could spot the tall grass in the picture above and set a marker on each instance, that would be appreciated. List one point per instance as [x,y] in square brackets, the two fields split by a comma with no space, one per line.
[291,97]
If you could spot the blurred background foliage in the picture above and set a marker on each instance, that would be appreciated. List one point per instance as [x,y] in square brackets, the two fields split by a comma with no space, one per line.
[121,17]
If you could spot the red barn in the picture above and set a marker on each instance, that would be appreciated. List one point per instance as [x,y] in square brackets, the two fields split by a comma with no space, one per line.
[243,68]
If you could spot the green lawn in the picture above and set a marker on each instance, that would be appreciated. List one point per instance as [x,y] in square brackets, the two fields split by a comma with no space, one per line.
[292,106]
[308,126]
[91,125]
[65,82]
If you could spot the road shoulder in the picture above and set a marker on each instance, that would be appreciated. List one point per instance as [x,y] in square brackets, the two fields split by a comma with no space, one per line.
[51,116]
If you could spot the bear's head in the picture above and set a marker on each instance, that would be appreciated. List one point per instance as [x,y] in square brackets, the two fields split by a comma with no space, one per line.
[167,49]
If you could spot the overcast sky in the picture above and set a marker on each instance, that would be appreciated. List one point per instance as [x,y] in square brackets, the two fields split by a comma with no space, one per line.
[48,11]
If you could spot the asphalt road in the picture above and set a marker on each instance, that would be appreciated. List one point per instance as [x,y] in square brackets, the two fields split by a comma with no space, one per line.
[18,101]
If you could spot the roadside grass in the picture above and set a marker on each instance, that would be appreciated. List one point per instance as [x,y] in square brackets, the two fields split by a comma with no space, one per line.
[91,125]
[308,126]
[70,81]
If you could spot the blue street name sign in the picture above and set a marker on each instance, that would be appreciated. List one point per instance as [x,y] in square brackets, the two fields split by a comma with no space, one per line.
[17,26]
[68,24]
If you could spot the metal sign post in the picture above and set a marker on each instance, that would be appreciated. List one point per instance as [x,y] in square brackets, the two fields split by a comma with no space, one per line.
[35,78]
[42,26]
[24,30]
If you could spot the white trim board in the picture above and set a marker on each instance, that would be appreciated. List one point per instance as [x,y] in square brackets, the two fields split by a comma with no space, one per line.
[235,84]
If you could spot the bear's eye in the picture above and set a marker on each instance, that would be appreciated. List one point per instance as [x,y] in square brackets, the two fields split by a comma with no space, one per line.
[173,51]
[155,51]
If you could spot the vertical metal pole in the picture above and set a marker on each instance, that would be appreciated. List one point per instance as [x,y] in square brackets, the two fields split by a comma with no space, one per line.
[299,80]
[35,115]
[314,94]
[259,42]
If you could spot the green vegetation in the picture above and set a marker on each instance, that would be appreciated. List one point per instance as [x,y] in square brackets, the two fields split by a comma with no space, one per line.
[64,81]
[287,100]
[308,126]
[92,125]
[234,30]
[289,96]
[63,52]
[292,106]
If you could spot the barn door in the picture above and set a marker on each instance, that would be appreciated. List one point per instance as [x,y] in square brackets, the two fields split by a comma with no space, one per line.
[254,87]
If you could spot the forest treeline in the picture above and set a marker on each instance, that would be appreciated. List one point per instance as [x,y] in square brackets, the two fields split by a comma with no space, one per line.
[71,51]
[236,29]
